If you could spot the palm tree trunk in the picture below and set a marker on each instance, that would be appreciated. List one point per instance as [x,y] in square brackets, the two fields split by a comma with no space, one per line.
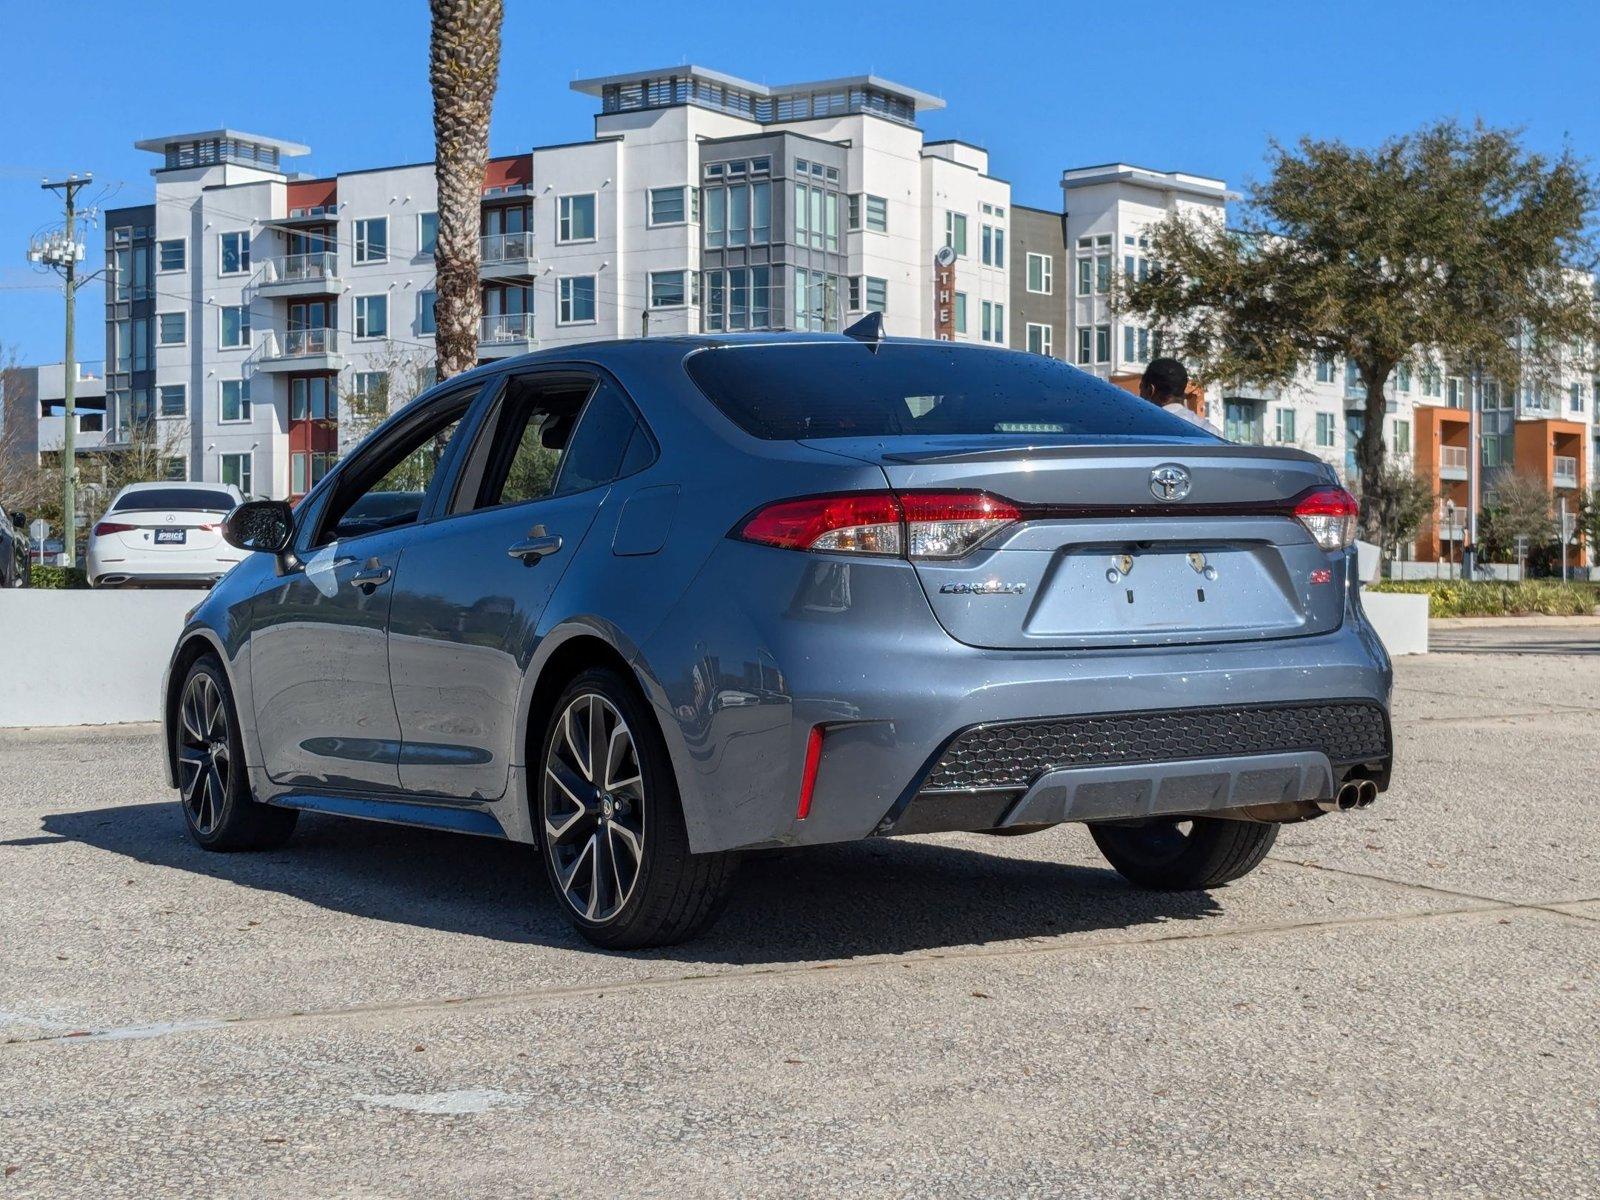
[463,69]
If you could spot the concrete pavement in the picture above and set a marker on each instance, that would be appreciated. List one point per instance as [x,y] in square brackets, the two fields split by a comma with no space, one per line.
[1402,1001]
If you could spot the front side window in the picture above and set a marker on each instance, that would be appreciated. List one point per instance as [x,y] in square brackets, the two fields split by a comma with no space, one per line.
[172,329]
[235,400]
[235,254]
[372,316]
[372,240]
[235,326]
[576,218]
[555,438]
[576,297]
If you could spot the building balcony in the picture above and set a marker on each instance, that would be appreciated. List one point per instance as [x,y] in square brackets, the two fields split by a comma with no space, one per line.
[505,334]
[298,275]
[506,255]
[1453,462]
[297,350]
[1565,473]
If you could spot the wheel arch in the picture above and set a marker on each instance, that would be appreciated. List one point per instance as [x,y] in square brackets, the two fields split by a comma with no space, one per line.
[192,646]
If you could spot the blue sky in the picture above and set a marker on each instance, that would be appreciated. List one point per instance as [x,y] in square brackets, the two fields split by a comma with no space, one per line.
[1197,87]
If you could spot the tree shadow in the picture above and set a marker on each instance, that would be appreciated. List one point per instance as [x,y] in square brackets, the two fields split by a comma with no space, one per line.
[883,896]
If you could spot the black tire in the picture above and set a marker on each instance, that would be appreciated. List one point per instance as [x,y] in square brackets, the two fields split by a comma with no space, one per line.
[1184,854]
[213,784]
[589,813]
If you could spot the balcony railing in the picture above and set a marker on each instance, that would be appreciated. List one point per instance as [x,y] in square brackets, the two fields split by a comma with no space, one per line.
[1452,462]
[502,328]
[272,346]
[319,267]
[507,249]
[1566,471]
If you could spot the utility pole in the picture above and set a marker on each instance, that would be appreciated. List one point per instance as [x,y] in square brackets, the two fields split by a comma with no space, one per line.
[63,252]
[1469,554]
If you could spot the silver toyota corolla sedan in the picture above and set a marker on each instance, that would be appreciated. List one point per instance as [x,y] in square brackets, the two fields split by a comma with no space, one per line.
[647,604]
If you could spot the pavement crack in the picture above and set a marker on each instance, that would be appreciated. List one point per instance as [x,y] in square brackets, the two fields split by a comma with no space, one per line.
[1549,906]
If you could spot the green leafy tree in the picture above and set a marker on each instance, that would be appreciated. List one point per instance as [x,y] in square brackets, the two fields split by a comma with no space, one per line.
[1519,508]
[1450,239]
[1404,500]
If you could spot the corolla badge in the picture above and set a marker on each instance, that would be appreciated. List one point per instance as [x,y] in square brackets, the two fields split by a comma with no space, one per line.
[990,587]
[1169,481]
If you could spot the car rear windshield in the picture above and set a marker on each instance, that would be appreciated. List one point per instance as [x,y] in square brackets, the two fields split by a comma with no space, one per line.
[837,389]
[186,499]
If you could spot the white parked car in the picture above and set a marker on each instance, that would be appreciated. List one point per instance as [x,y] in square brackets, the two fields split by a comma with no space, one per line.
[156,533]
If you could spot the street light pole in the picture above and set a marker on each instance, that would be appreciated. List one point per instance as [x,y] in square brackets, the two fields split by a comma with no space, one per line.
[1469,554]
[64,252]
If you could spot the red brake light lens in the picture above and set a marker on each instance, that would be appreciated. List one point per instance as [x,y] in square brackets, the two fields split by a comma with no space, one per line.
[911,524]
[1329,515]
[808,773]
[105,527]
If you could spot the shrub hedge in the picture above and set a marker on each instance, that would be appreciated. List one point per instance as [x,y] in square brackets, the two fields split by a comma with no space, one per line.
[1493,598]
[49,576]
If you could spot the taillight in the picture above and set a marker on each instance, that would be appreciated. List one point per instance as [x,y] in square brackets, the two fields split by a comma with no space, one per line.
[105,527]
[910,524]
[1329,515]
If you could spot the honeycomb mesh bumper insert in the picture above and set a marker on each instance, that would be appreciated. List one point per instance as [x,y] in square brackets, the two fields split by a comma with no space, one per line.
[1013,754]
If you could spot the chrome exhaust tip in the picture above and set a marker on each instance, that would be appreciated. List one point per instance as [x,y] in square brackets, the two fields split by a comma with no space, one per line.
[1366,793]
[1347,797]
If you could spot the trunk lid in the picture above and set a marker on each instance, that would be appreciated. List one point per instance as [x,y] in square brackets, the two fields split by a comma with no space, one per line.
[1099,559]
[155,530]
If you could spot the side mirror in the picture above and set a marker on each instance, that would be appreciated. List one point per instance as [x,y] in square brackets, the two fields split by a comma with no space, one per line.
[266,525]
[19,519]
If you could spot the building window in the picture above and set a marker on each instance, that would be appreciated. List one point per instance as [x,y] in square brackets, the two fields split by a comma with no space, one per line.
[1136,342]
[1432,382]
[235,326]
[372,240]
[172,329]
[235,254]
[1354,388]
[238,470]
[576,218]
[994,323]
[1325,429]
[1326,371]
[667,289]
[312,398]
[1575,397]
[1041,269]
[1454,394]
[870,212]
[877,295]
[955,232]
[426,322]
[427,232]
[576,295]
[171,255]
[372,316]
[174,399]
[1039,339]
[368,386]
[235,399]
[175,470]
[994,246]
[1086,276]
[1285,430]
[1402,437]
[961,312]
[1102,343]
[1085,344]
[668,206]
[142,349]
[1402,377]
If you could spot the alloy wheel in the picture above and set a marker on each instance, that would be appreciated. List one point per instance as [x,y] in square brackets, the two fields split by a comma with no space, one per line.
[593,802]
[205,759]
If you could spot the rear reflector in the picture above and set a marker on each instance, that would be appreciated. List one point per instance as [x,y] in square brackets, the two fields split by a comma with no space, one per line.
[916,525]
[105,527]
[1329,515]
[808,775]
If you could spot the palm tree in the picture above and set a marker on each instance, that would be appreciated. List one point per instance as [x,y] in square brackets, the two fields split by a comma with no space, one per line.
[463,69]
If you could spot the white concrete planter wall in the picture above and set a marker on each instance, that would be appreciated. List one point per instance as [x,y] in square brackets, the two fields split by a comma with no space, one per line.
[86,657]
[1401,621]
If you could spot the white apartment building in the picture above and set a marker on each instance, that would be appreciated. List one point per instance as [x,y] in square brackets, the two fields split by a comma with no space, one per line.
[253,303]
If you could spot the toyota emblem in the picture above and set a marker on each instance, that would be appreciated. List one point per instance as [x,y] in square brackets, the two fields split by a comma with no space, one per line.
[1169,481]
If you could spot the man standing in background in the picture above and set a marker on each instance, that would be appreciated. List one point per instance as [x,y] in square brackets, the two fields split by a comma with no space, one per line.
[1165,381]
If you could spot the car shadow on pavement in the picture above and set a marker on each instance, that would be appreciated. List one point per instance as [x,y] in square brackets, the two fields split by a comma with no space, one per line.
[877,897]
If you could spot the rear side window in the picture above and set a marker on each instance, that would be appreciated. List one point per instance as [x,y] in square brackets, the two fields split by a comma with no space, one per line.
[159,499]
[835,389]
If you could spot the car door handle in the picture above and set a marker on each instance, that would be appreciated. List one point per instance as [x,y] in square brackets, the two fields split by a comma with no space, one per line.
[535,546]
[372,576]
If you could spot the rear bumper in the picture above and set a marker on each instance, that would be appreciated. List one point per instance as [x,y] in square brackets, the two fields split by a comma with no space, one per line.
[116,563]
[855,649]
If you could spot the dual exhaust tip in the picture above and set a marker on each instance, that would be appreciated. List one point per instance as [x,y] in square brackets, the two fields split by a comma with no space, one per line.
[1352,794]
